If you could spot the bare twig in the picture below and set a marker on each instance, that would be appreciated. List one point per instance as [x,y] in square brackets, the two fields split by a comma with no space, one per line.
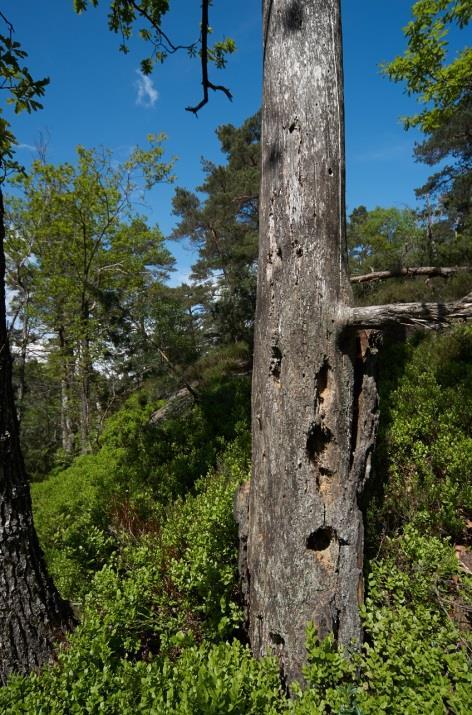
[206,84]
[7,22]
[170,48]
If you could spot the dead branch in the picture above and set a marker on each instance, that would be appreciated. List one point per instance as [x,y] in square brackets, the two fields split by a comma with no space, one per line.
[430,271]
[432,316]
[206,84]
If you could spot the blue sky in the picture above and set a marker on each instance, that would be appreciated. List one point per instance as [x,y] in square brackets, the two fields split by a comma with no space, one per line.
[97,98]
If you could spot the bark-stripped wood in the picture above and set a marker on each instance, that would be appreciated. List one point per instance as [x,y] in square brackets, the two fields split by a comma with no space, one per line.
[433,316]
[314,402]
[427,271]
[32,614]
[305,533]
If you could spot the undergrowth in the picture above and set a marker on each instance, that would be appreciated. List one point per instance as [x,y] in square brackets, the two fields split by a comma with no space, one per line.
[150,556]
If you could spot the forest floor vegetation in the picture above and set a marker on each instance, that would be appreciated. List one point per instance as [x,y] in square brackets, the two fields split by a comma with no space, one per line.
[140,536]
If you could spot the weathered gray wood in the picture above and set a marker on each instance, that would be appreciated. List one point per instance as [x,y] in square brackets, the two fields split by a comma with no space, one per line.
[315,404]
[428,271]
[433,316]
[366,407]
[176,405]
[305,533]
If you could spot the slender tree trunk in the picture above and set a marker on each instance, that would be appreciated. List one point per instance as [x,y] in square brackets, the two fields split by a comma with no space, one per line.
[67,433]
[66,425]
[305,533]
[22,360]
[85,370]
[84,416]
[32,614]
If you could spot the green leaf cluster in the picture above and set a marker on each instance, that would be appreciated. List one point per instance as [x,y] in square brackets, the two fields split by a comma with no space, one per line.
[84,267]
[22,92]
[442,82]
[424,67]
[425,452]
[124,18]
[383,239]
[201,680]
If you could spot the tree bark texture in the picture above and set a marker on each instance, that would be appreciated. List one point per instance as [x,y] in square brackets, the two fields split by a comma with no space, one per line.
[314,401]
[304,528]
[32,614]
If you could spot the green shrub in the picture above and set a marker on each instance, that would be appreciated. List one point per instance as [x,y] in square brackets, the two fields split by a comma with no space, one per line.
[161,594]
[425,444]
[72,523]
[181,581]
[204,680]
[220,680]
[414,658]
[84,513]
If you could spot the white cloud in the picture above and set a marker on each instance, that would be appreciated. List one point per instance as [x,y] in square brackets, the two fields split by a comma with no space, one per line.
[147,94]
[27,147]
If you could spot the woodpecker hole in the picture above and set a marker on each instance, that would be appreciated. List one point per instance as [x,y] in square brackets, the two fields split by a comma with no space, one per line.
[320,539]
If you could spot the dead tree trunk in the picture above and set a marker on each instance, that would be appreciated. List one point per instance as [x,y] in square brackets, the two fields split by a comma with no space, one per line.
[305,539]
[314,411]
[32,614]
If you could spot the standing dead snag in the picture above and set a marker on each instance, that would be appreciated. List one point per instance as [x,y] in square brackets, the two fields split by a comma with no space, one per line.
[305,541]
[314,409]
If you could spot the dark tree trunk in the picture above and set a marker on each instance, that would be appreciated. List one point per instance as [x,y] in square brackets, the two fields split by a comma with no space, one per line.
[32,614]
[305,533]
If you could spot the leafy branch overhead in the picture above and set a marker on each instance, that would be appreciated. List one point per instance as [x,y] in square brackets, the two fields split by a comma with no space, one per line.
[443,84]
[442,81]
[123,15]
[22,90]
